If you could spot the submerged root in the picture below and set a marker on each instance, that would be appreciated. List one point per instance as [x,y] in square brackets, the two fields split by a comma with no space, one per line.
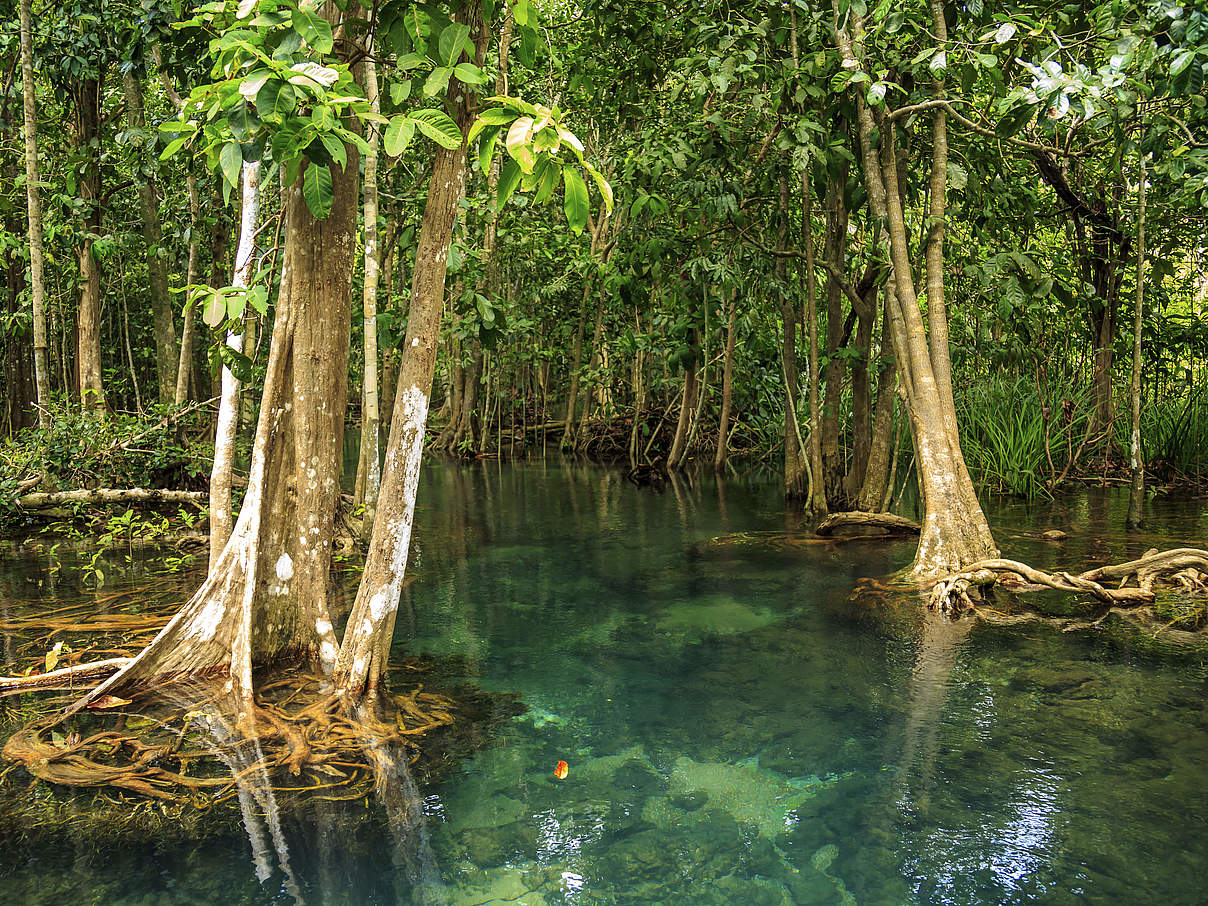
[304,740]
[1136,580]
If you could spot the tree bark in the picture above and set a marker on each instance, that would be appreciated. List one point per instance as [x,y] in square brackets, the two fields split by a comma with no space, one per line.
[37,258]
[675,458]
[874,486]
[188,329]
[1136,496]
[363,654]
[955,530]
[221,517]
[88,323]
[831,477]
[166,354]
[370,414]
[723,422]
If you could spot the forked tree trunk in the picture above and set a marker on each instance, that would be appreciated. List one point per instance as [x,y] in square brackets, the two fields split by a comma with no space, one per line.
[221,517]
[955,532]
[157,261]
[365,648]
[37,259]
[266,596]
[88,321]
[1136,496]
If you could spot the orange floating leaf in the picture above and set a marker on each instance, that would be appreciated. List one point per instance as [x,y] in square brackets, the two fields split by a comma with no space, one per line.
[561,770]
[107,701]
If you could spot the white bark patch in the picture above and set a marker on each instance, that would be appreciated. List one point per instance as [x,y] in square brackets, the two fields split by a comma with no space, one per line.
[377,606]
[323,626]
[208,621]
[285,568]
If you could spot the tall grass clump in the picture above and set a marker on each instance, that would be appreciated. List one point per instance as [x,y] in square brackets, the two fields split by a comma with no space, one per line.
[1174,435]
[1002,429]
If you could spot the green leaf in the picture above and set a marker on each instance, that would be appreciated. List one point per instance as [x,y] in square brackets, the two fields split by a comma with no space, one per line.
[335,148]
[486,147]
[437,126]
[547,184]
[411,61]
[575,205]
[1189,81]
[231,160]
[257,297]
[213,312]
[520,12]
[517,143]
[437,81]
[602,185]
[243,122]
[317,190]
[276,98]
[173,146]
[509,179]
[497,116]
[469,73]
[400,91]
[398,135]
[452,41]
[314,30]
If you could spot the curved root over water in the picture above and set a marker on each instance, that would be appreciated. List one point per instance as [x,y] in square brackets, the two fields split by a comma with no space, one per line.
[1124,584]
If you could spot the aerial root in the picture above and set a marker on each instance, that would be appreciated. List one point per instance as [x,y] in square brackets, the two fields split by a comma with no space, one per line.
[309,743]
[1184,568]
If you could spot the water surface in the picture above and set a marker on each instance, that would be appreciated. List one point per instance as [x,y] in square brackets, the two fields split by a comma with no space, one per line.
[739,729]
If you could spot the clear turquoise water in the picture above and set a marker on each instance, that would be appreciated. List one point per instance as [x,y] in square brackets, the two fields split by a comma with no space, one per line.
[738,728]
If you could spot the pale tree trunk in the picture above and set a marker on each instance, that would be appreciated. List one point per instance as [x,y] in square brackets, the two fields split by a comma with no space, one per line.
[37,259]
[675,459]
[597,230]
[370,415]
[937,310]
[266,596]
[955,532]
[873,487]
[88,321]
[817,491]
[157,261]
[221,518]
[1136,496]
[723,422]
[835,253]
[189,329]
[362,657]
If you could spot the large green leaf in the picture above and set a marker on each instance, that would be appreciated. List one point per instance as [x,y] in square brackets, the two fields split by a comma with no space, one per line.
[314,30]
[231,160]
[576,199]
[486,147]
[509,179]
[452,40]
[603,185]
[317,190]
[276,98]
[398,135]
[437,126]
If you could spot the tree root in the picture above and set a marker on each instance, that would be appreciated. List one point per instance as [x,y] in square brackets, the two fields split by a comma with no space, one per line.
[305,740]
[1185,568]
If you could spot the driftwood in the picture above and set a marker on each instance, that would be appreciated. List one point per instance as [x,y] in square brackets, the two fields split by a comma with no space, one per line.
[41,500]
[1185,567]
[886,522]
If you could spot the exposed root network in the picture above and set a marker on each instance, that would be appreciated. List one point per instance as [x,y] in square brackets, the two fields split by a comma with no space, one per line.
[1124,584]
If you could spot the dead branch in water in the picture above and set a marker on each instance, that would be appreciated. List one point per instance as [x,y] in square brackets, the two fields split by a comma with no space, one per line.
[886,522]
[41,500]
[1185,567]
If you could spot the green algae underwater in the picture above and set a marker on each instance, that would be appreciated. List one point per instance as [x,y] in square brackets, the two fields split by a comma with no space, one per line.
[742,723]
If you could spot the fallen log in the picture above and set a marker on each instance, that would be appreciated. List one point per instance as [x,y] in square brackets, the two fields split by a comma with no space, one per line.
[886,522]
[40,500]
